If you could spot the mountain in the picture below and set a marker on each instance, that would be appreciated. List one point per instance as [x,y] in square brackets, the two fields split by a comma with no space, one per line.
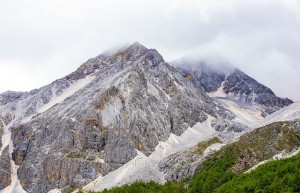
[230,82]
[122,113]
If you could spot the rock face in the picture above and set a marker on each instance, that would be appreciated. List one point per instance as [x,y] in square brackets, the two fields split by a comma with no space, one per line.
[182,165]
[234,83]
[228,125]
[5,167]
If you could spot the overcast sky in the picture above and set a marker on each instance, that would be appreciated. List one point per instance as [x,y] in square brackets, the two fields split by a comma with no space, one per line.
[42,40]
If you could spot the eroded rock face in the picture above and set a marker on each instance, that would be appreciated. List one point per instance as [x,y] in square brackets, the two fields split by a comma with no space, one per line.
[49,156]
[181,166]
[118,151]
[228,125]
[5,168]
[55,171]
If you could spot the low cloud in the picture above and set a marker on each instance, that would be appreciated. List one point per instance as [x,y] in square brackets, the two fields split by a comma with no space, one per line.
[45,40]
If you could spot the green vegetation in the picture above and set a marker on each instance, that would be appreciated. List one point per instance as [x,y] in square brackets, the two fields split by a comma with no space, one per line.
[71,189]
[90,159]
[276,176]
[74,156]
[203,145]
[149,187]
[213,173]
[84,149]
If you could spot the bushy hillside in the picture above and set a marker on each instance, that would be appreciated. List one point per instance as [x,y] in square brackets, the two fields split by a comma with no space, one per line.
[276,176]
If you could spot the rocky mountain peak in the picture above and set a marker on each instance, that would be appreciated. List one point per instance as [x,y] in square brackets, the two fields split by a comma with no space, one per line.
[137,45]
[125,56]
[132,50]
[136,51]
[113,107]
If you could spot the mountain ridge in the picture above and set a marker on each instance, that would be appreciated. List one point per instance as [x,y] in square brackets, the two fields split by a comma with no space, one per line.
[232,83]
